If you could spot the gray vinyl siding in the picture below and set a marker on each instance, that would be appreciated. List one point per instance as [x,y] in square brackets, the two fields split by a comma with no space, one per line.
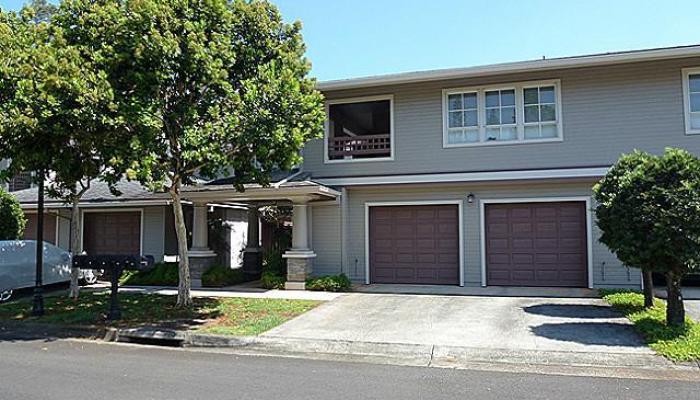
[607,270]
[606,111]
[152,230]
[326,239]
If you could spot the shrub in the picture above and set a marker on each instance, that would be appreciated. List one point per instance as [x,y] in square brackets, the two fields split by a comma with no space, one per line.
[220,276]
[162,274]
[331,283]
[271,280]
[648,210]
[274,262]
[12,220]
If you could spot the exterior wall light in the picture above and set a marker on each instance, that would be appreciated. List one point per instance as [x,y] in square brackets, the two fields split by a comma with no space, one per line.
[470,198]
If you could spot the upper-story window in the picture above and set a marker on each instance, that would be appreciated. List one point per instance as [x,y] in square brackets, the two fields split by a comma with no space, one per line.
[516,113]
[359,129]
[691,90]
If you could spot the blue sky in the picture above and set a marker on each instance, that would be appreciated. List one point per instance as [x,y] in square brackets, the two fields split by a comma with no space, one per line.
[351,38]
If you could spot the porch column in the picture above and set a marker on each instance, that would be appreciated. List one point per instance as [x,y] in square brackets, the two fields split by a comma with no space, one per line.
[252,255]
[300,256]
[200,255]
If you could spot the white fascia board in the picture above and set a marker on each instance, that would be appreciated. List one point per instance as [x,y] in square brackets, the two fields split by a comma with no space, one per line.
[467,177]
[513,67]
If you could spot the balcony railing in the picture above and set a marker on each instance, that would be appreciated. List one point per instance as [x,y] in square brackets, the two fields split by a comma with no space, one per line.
[367,146]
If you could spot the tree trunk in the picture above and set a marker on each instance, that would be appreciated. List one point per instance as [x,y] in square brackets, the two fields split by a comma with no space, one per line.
[184,297]
[648,289]
[75,235]
[675,312]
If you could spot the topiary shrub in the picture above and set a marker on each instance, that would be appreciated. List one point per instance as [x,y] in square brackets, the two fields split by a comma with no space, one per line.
[648,210]
[12,220]
[331,283]
[162,274]
[220,276]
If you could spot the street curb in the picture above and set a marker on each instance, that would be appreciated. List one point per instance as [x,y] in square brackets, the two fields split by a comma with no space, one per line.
[406,354]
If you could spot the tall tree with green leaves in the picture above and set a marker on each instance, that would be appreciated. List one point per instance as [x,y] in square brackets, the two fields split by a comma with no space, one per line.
[43,10]
[208,87]
[648,209]
[57,112]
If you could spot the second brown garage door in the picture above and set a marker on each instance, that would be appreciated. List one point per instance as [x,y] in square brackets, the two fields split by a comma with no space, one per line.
[536,244]
[112,233]
[414,244]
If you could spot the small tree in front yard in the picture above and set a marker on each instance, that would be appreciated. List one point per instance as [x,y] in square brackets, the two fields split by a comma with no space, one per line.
[208,87]
[12,220]
[648,209]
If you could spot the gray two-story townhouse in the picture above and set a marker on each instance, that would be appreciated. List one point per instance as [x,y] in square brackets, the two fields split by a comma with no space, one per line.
[475,176]
[483,176]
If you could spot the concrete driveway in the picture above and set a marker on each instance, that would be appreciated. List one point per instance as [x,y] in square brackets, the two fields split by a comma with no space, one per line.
[511,323]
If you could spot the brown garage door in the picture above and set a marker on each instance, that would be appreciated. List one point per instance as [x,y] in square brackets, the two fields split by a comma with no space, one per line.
[112,233]
[414,244]
[49,228]
[536,244]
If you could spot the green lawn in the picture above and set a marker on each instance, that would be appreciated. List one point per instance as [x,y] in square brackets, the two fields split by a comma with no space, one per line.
[678,344]
[231,316]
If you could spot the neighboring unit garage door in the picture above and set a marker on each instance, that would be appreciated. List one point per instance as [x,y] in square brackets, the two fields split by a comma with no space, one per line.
[414,244]
[536,244]
[49,228]
[112,232]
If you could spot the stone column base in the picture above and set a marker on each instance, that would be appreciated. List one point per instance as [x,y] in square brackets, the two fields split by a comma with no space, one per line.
[252,262]
[200,261]
[299,267]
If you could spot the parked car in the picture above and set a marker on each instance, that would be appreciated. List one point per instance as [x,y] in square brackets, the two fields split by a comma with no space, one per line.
[18,266]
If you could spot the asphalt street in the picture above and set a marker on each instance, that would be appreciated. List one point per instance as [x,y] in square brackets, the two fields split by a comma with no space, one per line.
[70,369]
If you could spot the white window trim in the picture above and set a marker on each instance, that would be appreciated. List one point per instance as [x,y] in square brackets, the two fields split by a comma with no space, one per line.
[326,130]
[686,99]
[589,226]
[460,212]
[519,113]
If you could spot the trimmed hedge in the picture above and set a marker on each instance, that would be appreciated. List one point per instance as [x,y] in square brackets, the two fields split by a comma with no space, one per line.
[220,276]
[331,283]
[162,274]
[166,274]
[12,219]
[271,280]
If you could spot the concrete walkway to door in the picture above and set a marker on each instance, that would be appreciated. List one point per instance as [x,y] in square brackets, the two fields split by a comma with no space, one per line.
[498,323]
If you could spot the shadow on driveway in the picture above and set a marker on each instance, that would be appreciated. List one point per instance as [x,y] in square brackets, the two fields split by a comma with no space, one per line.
[590,333]
[584,311]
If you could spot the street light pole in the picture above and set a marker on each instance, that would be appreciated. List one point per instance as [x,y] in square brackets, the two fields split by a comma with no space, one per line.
[38,305]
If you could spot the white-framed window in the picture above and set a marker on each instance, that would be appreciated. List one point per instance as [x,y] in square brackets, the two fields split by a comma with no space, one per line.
[524,112]
[691,100]
[359,129]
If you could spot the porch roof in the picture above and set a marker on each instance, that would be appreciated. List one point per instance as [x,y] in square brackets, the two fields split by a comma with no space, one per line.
[305,190]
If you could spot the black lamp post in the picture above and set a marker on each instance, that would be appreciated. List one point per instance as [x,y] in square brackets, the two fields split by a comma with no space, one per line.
[38,305]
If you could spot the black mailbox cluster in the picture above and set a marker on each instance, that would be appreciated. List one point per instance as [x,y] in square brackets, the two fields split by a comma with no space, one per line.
[114,265]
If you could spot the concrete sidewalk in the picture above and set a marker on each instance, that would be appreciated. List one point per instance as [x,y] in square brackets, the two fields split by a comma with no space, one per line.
[233,291]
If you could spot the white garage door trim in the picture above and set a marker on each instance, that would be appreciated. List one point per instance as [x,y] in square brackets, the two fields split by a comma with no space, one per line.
[460,215]
[110,210]
[589,225]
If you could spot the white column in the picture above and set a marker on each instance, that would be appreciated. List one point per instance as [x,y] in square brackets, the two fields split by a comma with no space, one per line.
[200,232]
[300,256]
[300,227]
